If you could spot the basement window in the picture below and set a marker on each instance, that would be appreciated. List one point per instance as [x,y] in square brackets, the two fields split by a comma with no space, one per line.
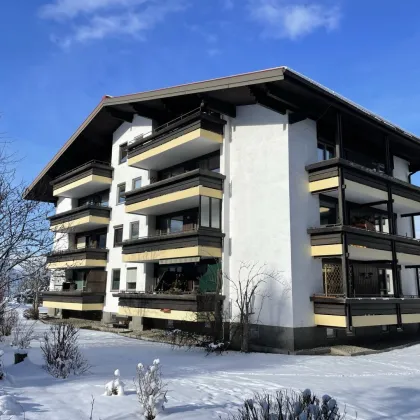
[331,333]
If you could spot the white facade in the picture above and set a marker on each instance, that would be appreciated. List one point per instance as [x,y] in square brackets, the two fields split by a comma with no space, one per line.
[124,174]
[266,212]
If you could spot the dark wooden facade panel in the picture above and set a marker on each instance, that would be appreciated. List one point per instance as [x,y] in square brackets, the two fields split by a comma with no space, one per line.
[323,174]
[373,309]
[327,239]
[408,248]
[369,242]
[72,255]
[74,297]
[410,307]
[190,303]
[182,240]
[92,169]
[205,122]
[177,183]
[330,308]
[78,213]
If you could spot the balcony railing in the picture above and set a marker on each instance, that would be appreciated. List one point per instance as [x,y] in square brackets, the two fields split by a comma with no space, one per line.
[194,134]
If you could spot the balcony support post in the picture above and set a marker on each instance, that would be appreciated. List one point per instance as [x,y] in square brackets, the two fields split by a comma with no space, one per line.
[345,266]
[388,157]
[339,146]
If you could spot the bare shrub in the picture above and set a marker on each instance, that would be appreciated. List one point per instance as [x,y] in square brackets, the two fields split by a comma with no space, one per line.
[31,313]
[151,390]
[8,321]
[23,334]
[61,351]
[116,386]
[289,405]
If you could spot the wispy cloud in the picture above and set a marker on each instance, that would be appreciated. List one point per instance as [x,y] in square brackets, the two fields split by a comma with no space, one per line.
[293,19]
[106,18]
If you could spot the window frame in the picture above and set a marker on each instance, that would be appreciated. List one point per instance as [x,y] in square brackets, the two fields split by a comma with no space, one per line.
[119,193]
[210,214]
[134,181]
[121,158]
[131,229]
[324,145]
[118,244]
[114,270]
[127,282]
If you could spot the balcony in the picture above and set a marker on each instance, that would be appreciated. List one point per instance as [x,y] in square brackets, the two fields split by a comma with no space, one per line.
[363,185]
[77,258]
[363,245]
[178,193]
[75,300]
[341,312]
[84,180]
[81,219]
[187,246]
[183,307]
[188,137]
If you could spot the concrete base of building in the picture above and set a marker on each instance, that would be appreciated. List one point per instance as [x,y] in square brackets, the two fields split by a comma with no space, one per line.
[136,323]
[267,338]
[51,311]
[107,317]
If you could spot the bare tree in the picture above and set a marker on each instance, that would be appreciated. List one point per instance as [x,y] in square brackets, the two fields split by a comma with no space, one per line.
[35,279]
[251,288]
[24,229]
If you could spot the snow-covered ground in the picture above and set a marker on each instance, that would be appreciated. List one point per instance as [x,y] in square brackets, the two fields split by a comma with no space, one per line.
[382,386]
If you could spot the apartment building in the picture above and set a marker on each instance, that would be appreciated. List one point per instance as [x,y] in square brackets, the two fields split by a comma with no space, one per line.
[157,193]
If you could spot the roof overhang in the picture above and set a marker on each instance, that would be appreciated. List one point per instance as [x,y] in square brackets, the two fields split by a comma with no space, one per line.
[280,89]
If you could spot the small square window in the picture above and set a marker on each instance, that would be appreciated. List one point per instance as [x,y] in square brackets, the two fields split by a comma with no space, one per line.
[137,183]
[123,153]
[134,230]
[116,275]
[121,194]
[118,236]
[385,328]
[170,323]
[331,333]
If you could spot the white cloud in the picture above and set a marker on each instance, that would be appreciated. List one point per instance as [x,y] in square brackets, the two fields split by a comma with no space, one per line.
[68,9]
[102,19]
[293,19]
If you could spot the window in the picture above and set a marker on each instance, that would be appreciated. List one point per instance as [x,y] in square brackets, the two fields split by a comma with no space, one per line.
[123,153]
[116,274]
[120,194]
[131,278]
[137,183]
[118,236]
[98,199]
[331,333]
[215,213]
[205,211]
[327,212]
[210,212]
[134,230]
[325,151]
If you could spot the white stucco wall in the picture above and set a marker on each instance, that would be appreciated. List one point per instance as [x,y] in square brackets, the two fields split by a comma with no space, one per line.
[124,174]
[304,213]
[259,207]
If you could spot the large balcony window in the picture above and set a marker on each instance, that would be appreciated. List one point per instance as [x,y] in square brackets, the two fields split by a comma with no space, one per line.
[94,240]
[209,162]
[325,151]
[98,199]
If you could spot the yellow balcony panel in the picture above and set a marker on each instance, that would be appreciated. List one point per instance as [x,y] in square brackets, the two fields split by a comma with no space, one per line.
[190,138]
[81,219]
[196,251]
[77,258]
[84,180]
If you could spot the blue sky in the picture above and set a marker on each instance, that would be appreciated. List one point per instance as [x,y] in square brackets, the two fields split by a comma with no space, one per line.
[59,57]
